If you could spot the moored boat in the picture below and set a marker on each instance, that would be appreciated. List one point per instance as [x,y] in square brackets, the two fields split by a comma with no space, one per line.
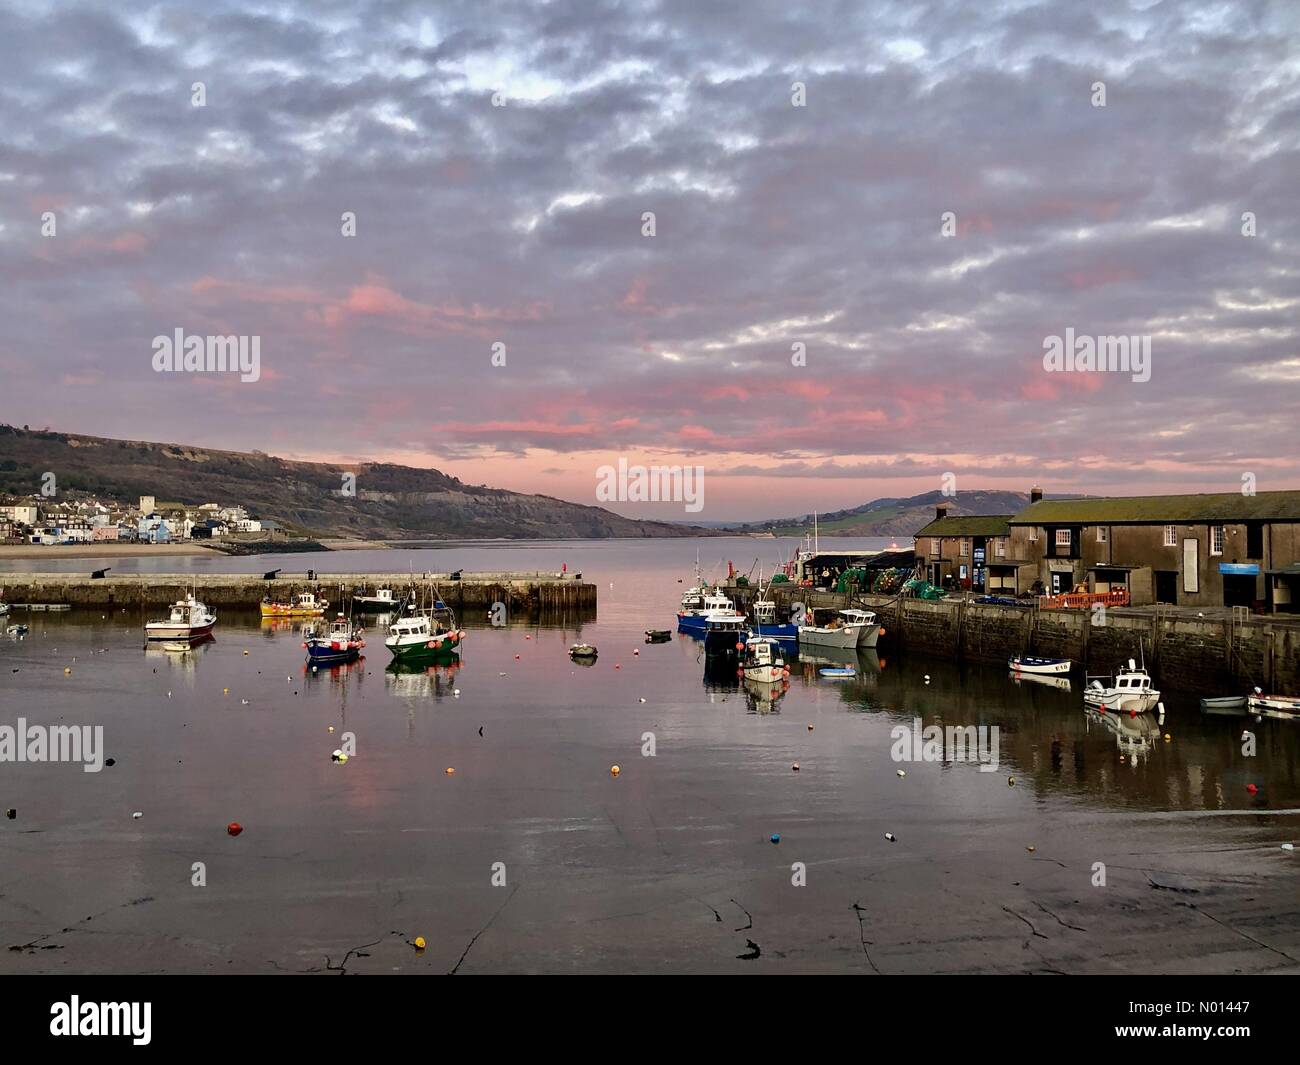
[188,620]
[343,643]
[583,650]
[381,602]
[1132,691]
[725,633]
[422,634]
[762,660]
[303,605]
[694,617]
[765,623]
[1279,706]
[658,635]
[1043,667]
[849,628]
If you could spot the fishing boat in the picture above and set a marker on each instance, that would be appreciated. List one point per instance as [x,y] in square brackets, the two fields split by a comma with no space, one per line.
[382,602]
[583,650]
[189,620]
[849,628]
[698,605]
[764,622]
[1130,692]
[343,643]
[725,633]
[423,633]
[303,605]
[762,660]
[658,635]
[1043,667]
[1279,706]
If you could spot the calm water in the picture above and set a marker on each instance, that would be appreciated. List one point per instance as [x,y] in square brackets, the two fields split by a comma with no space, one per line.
[666,867]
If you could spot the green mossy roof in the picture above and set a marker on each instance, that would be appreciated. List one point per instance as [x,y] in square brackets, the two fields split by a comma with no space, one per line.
[968,525]
[1159,510]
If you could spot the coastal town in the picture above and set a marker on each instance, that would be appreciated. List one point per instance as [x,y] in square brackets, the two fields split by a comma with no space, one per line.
[87,519]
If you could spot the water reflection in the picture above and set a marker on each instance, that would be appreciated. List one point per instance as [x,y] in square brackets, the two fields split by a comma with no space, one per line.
[764,696]
[412,681]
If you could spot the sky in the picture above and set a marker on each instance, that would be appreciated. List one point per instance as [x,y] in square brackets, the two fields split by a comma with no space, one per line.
[919,194]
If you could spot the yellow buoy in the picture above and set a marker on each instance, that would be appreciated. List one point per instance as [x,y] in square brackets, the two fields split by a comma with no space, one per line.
[225,691]
[450,771]
[614,770]
[67,671]
[419,942]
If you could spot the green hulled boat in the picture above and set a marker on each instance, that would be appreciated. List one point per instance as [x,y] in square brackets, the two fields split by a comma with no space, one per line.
[424,634]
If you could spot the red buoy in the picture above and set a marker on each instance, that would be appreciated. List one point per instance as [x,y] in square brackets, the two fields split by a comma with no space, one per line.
[234,828]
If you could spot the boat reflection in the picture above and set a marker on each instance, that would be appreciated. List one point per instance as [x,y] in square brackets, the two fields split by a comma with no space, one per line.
[1134,736]
[721,673]
[1062,683]
[412,681]
[336,674]
[180,655]
[764,696]
[864,660]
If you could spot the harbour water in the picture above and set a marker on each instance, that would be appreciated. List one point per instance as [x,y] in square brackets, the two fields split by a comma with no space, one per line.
[1095,844]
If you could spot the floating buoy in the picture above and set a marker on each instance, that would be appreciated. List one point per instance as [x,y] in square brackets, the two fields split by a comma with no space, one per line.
[775,837]
[234,828]
[643,698]
[449,771]
[1031,848]
[527,637]
[1252,788]
[795,767]
[11,813]
[902,772]
[329,728]
[634,653]
[1011,782]
[614,771]
[810,728]
[418,943]
[455,693]
[110,761]
[337,755]
[225,691]
[891,837]
[137,815]
[245,654]
[617,666]
[67,670]
[1167,737]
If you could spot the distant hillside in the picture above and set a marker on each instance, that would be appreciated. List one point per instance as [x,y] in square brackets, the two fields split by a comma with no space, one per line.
[391,502]
[894,517]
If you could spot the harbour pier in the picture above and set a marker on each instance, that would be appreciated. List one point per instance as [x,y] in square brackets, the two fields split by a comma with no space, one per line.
[1212,651]
[520,592]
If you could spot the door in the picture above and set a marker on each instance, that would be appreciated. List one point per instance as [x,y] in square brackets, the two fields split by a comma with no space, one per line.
[1167,586]
[1238,590]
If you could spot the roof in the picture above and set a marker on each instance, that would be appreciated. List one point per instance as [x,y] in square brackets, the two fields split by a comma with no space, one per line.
[1160,510]
[968,525]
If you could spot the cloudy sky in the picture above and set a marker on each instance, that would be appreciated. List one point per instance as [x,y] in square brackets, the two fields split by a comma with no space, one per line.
[499,159]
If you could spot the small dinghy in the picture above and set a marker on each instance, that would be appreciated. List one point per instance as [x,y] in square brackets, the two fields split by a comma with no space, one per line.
[1042,667]
[583,650]
[838,672]
[657,635]
[1221,704]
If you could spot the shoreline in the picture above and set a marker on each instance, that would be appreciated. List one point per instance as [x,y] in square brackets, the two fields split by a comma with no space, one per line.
[107,549]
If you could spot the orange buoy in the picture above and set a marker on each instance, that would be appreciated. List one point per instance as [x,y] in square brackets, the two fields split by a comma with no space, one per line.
[614,770]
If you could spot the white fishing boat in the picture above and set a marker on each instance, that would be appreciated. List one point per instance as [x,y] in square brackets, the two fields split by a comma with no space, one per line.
[1132,691]
[725,632]
[381,602]
[1279,706]
[762,660]
[189,620]
[849,628]
[1043,667]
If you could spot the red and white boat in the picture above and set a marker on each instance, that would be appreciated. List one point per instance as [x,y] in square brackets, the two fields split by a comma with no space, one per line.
[189,620]
[1280,706]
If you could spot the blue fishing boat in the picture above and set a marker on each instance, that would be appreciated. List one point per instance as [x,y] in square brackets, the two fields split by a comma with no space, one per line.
[342,643]
[725,633]
[697,604]
[764,623]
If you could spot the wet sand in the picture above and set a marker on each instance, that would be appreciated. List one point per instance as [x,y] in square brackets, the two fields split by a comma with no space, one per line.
[101,550]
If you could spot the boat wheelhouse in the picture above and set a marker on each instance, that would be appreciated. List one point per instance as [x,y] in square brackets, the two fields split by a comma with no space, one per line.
[765,623]
[381,602]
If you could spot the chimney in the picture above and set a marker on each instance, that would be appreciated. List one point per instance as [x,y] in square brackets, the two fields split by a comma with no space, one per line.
[941,510]
[1035,494]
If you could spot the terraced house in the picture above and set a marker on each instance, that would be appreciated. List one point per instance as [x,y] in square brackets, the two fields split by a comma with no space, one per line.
[1224,549]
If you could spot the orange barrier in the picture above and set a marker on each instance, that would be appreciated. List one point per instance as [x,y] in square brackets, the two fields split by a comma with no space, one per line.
[1083,600]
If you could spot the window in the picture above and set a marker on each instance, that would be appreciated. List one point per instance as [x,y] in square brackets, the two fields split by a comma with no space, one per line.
[936,545]
[1102,533]
[1033,534]
[1000,547]
[1062,537]
[1216,539]
[1171,536]
[964,551]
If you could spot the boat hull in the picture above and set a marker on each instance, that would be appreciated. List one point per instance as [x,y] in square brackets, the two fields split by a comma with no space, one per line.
[1281,706]
[1122,702]
[1042,667]
[275,610]
[848,636]
[326,655]
[366,605]
[161,630]
[411,650]
[787,633]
